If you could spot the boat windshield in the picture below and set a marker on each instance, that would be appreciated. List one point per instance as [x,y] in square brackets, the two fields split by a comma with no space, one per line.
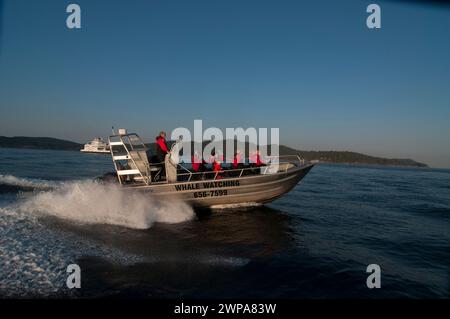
[136,143]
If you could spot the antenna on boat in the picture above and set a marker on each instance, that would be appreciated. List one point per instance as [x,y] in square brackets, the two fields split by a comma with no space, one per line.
[112,128]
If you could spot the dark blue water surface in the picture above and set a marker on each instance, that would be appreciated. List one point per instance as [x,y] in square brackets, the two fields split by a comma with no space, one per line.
[316,242]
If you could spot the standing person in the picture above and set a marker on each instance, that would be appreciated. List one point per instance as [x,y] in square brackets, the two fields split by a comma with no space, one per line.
[161,146]
[161,152]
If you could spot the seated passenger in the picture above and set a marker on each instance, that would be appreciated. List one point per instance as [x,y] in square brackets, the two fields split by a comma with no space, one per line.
[258,159]
[196,162]
[255,159]
[217,167]
[237,160]
[198,165]
[195,165]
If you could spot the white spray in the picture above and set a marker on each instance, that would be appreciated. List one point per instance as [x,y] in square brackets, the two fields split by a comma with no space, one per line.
[94,203]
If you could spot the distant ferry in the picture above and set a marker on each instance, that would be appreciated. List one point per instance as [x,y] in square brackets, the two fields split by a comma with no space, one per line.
[97,145]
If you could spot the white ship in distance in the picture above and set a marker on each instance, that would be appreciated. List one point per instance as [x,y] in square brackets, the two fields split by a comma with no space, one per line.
[97,145]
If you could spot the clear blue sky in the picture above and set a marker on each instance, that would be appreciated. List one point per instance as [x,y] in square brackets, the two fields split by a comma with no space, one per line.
[311,68]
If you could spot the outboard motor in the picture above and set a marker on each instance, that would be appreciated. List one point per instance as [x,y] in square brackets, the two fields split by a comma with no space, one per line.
[107,178]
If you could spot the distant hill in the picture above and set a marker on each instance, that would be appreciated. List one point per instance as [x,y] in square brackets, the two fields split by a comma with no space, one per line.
[321,156]
[350,158]
[39,143]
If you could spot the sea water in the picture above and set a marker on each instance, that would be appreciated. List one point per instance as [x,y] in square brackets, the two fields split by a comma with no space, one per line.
[315,242]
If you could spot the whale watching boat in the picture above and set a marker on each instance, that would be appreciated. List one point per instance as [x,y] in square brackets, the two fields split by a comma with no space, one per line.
[245,185]
[97,145]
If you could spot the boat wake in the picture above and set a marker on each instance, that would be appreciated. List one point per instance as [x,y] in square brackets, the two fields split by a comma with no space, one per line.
[13,184]
[35,257]
[94,203]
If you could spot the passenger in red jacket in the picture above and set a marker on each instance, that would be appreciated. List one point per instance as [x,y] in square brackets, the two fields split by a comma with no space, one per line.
[255,159]
[217,167]
[197,162]
[216,164]
[258,159]
[237,159]
[161,146]
[161,151]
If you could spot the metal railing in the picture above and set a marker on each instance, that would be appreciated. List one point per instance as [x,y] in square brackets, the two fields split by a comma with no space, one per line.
[225,173]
